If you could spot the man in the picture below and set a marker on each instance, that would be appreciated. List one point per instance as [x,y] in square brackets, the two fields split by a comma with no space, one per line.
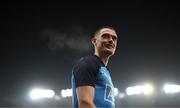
[91,81]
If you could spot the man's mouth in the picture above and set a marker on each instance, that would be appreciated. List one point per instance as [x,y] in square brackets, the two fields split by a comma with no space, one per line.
[109,46]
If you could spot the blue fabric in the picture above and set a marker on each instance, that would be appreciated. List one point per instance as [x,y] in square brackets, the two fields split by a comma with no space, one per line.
[104,89]
[104,95]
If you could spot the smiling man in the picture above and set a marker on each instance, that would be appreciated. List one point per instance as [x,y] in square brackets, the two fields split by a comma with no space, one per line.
[91,81]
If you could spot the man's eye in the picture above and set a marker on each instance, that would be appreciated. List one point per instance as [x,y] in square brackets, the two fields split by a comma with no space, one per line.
[114,38]
[105,35]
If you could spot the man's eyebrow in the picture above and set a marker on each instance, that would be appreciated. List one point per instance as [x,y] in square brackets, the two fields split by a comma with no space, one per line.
[109,34]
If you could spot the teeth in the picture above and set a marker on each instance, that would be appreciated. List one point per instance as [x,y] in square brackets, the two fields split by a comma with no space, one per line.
[109,46]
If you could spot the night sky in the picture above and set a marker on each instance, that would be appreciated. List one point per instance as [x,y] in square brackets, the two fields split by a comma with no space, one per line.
[40,42]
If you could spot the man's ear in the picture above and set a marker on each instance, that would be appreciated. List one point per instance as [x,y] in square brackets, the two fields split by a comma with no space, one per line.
[93,40]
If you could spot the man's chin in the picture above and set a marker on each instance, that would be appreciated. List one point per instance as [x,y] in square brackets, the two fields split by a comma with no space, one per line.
[109,52]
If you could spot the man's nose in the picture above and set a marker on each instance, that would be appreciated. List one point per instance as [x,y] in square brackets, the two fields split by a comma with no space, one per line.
[110,40]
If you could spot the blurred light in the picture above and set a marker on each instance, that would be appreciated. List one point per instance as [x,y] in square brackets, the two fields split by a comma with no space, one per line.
[69,92]
[171,88]
[121,95]
[41,93]
[56,97]
[63,93]
[140,89]
[148,89]
[130,91]
[116,92]
[48,93]
[35,94]
[66,93]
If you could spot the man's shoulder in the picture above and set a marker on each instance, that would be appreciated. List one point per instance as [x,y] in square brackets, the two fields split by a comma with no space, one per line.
[88,59]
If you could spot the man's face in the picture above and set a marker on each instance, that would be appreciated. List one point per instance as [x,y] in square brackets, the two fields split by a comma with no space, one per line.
[105,42]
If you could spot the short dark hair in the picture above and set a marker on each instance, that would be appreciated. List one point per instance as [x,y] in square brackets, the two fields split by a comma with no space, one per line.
[109,27]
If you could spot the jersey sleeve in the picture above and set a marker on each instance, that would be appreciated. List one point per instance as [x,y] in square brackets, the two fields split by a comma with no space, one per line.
[85,73]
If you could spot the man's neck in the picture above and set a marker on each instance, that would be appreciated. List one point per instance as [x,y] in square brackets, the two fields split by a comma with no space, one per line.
[104,59]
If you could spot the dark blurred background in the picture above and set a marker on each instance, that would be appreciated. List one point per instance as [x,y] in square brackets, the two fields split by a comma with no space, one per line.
[40,43]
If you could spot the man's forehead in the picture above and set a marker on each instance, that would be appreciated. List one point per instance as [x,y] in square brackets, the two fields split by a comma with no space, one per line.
[107,30]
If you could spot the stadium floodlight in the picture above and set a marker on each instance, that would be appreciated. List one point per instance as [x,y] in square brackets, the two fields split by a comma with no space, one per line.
[130,91]
[41,93]
[63,93]
[171,88]
[35,94]
[121,95]
[48,93]
[69,92]
[66,93]
[140,89]
[134,90]
[148,89]
[116,91]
